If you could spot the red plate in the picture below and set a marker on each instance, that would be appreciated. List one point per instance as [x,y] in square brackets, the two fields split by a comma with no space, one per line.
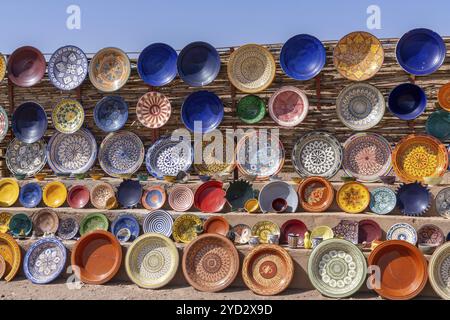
[292,226]
[78,196]
[368,231]
[210,197]
[217,225]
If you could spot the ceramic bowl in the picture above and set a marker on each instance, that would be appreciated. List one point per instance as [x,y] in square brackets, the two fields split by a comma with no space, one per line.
[210,197]
[275,190]
[78,196]
[125,221]
[26,166]
[288,106]
[382,200]
[68,228]
[238,193]
[158,221]
[5,217]
[427,249]
[45,221]
[111,113]
[262,229]
[157,64]
[369,231]
[444,97]
[29,122]
[216,225]
[186,228]
[181,198]
[204,109]
[251,205]
[67,68]
[437,275]
[413,199]
[109,69]
[68,116]
[251,109]
[407,101]
[54,194]
[402,231]
[12,255]
[93,222]
[100,193]
[20,225]
[316,194]
[353,197]
[30,195]
[154,198]
[438,124]
[292,226]
[430,234]
[129,193]
[153,110]
[3,123]
[26,66]
[9,192]
[442,202]
[3,68]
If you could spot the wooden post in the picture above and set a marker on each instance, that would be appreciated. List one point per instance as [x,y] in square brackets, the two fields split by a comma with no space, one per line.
[318,91]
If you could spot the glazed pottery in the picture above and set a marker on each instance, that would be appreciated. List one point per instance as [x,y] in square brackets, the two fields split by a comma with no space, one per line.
[368,231]
[438,124]
[100,193]
[158,221]
[216,225]
[337,268]
[68,228]
[9,192]
[30,195]
[402,231]
[382,200]
[54,194]
[111,113]
[420,51]
[413,199]
[185,228]
[45,221]
[3,68]
[347,230]
[279,205]
[252,205]
[353,197]
[210,197]
[5,218]
[443,203]
[238,193]
[407,101]
[293,240]
[316,194]
[29,122]
[358,56]
[68,116]
[217,159]
[302,57]
[153,110]
[444,96]
[67,68]
[263,229]
[360,106]
[20,224]
[292,226]
[288,106]
[78,196]
[26,158]
[2,265]
[202,111]
[3,123]
[181,198]
[129,193]
[278,190]
[317,153]
[45,260]
[154,198]
[125,221]
[267,270]
[367,156]
[242,233]
[109,69]
[438,271]
[210,263]
[251,68]
[167,157]
[430,234]
[72,153]
[26,66]
[274,239]
[10,251]
[98,256]
[93,222]
[403,269]
[324,232]
[427,249]
[152,261]
[157,64]
[316,241]
[121,153]
[251,109]
[254,241]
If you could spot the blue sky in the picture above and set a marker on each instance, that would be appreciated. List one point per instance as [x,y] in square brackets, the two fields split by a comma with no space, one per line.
[133,24]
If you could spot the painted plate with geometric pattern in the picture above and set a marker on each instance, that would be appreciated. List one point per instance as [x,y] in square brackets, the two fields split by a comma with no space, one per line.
[68,116]
[382,200]
[263,229]
[402,231]
[439,271]
[288,106]
[186,227]
[26,158]
[153,110]
[67,68]
[443,203]
[3,123]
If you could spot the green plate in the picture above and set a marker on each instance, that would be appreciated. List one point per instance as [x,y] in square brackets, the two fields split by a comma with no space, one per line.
[92,222]
[19,222]
[438,124]
[251,109]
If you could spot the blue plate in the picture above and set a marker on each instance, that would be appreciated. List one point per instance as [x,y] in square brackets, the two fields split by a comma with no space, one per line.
[420,52]
[129,193]
[302,57]
[382,200]
[29,122]
[30,195]
[198,64]
[157,64]
[202,106]
[407,101]
[413,199]
[111,113]
[126,221]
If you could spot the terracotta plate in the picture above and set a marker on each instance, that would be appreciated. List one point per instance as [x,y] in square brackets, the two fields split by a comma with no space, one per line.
[438,271]
[153,110]
[216,225]
[444,96]
[316,194]
[10,251]
[292,226]
[288,106]
[210,197]
[45,221]
[353,197]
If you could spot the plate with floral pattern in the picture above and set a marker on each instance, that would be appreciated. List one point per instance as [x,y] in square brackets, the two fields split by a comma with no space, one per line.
[353,197]
[67,68]
[3,123]
[438,271]
[72,153]
[68,116]
[443,203]
[109,69]
[382,200]
[263,229]
[402,231]
[26,158]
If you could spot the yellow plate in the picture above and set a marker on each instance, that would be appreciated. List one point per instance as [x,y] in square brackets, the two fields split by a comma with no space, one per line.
[263,229]
[184,228]
[9,192]
[324,232]
[353,197]
[10,251]
[68,116]
[54,194]
[4,221]
[2,67]
[251,205]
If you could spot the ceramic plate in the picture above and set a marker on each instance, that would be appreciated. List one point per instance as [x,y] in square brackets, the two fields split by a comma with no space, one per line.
[292,226]
[251,68]
[3,123]
[242,233]
[274,190]
[238,193]
[444,96]
[111,113]
[30,195]
[317,154]
[368,231]
[443,203]
[67,68]
[267,270]
[5,217]
[185,228]
[167,158]
[10,251]
[316,194]
[216,225]
[288,106]
[347,230]
[68,116]
[157,64]
[54,194]
[9,192]
[100,194]
[20,225]
[413,199]
[154,198]
[153,110]
[45,221]
[45,260]
[2,67]
[29,122]
[181,198]
[93,222]
[358,56]
[438,124]
[430,234]
[251,109]
[210,263]
[158,221]
[125,221]
[26,66]
[263,229]
[152,261]
[121,153]
[202,111]
[337,268]
[214,163]
[78,196]
[382,200]
[402,231]
[324,232]
[26,158]
[129,193]
[438,271]
[109,69]
[407,101]
[353,197]
[68,228]
[210,197]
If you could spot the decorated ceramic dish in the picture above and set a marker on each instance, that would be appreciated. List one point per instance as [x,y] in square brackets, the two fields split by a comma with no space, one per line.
[154,197]
[30,195]
[302,57]
[186,227]
[267,270]
[402,231]
[417,156]
[323,232]
[242,233]
[3,123]
[111,113]
[5,218]
[26,66]
[181,198]
[403,269]
[358,56]
[360,106]
[125,221]
[353,197]
[275,190]
[20,225]
[153,110]
[260,155]
[438,124]
[45,221]
[317,153]
[347,230]
[202,111]
[158,221]
[263,229]
[78,196]
[316,194]
[198,64]
[413,199]
[407,101]
[152,261]
[93,222]
[251,109]
[68,228]
[337,268]
[26,158]
[2,70]
[121,153]
[420,51]
[382,200]
[210,197]
[443,203]
[45,260]
[2,265]
[29,122]
[100,194]
[72,153]
[109,69]
[292,226]
[10,251]
[438,268]
[210,263]
[251,68]
[444,96]
[288,106]
[67,68]
[430,234]
[157,64]
[98,255]
[9,192]
[68,116]
[216,225]
[217,158]
[167,157]
[368,231]
[129,193]
[238,193]
[54,194]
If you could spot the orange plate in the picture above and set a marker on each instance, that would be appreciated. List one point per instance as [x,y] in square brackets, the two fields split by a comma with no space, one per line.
[316,194]
[217,225]
[444,96]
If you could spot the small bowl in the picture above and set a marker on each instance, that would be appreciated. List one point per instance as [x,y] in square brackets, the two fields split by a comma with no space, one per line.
[251,205]
[407,101]
[279,205]
[20,176]
[80,176]
[96,176]
[170,179]
[427,249]
[78,197]
[40,176]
